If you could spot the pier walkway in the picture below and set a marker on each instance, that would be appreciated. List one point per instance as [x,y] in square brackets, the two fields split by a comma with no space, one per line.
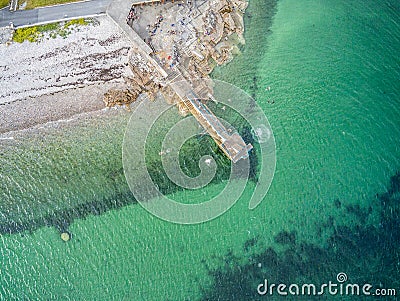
[229,141]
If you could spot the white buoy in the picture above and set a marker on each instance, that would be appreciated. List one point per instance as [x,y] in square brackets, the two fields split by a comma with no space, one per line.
[65,236]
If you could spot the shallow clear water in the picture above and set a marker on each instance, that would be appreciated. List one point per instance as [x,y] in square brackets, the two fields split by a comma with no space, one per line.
[333,69]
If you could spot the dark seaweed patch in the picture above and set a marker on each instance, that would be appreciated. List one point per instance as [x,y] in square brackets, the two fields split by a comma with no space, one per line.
[367,253]
[338,203]
[249,244]
[285,238]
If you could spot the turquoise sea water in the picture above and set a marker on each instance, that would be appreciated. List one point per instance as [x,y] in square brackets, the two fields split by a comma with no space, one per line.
[334,69]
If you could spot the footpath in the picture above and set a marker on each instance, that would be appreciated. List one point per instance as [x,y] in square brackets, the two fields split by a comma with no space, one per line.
[43,15]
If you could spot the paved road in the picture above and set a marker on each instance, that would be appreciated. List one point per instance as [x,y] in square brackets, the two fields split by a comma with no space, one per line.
[48,14]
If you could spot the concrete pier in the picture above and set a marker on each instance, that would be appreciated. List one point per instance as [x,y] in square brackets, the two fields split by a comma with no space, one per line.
[230,142]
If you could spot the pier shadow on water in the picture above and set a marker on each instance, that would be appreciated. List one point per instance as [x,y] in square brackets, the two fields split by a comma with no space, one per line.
[121,194]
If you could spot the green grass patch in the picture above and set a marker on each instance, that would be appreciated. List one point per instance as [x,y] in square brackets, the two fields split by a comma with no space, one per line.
[30,34]
[39,3]
[4,3]
[53,30]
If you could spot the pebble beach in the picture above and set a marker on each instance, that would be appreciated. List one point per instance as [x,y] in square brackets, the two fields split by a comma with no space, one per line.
[56,78]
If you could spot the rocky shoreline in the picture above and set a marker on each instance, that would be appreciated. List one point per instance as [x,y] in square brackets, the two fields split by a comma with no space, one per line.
[182,41]
[98,64]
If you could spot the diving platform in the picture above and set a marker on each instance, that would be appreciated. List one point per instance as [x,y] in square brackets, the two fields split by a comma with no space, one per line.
[228,140]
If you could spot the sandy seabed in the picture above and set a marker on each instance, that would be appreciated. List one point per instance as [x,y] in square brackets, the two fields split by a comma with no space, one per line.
[58,78]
